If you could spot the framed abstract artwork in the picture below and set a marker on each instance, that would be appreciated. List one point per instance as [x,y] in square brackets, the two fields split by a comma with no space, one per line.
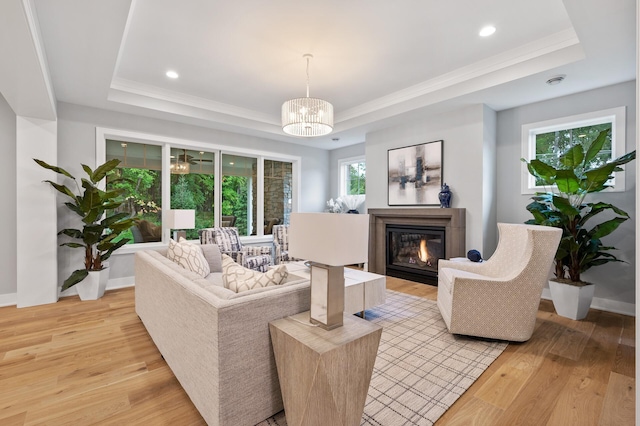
[415,174]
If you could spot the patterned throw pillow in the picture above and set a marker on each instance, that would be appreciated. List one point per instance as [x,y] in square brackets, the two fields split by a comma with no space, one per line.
[189,256]
[239,279]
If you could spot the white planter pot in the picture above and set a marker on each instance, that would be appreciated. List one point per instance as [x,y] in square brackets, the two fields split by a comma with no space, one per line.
[571,301]
[93,286]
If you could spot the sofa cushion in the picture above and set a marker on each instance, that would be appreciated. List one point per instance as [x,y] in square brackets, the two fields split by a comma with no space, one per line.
[237,278]
[189,256]
[214,278]
[214,258]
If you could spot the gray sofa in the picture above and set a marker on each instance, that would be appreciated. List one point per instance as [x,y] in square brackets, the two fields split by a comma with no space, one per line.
[216,341]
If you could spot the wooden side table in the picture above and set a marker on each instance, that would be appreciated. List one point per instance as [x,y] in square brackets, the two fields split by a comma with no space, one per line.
[324,374]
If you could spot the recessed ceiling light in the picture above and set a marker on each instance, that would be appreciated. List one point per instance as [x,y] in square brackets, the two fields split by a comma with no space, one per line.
[231,163]
[556,79]
[172,74]
[487,31]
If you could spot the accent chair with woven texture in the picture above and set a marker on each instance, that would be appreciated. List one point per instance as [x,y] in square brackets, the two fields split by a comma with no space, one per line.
[281,244]
[499,298]
[258,258]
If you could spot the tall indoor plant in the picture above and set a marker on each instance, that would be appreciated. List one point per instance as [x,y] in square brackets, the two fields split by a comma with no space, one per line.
[577,174]
[99,232]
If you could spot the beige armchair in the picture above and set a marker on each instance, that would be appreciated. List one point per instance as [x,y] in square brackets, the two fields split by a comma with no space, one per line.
[499,298]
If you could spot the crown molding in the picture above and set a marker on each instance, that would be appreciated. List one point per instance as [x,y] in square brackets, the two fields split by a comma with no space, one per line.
[142,90]
[538,49]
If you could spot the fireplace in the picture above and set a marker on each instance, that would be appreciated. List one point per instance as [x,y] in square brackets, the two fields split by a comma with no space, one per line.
[446,225]
[413,252]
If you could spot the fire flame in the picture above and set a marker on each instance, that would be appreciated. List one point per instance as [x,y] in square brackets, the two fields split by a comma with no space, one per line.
[423,254]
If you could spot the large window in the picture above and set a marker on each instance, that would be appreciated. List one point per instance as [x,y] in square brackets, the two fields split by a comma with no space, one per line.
[238,191]
[192,185]
[548,140]
[240,188]
[352,176]
[140,175]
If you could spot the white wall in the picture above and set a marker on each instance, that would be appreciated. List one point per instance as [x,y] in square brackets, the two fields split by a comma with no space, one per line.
[464,135]
[76,145]
[614,282]
[8,258]
[489,181]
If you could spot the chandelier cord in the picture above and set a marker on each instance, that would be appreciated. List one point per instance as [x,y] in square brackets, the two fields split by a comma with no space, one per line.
[308,76]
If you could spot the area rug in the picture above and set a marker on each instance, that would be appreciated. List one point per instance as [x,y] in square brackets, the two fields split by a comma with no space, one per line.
[421,369]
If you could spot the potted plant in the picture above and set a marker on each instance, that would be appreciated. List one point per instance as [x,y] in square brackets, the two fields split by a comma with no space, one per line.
[99,234]
[577,174]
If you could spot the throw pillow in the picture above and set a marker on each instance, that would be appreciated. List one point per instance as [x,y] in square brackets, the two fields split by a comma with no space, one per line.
[189,256]
[238,278]
[212,254]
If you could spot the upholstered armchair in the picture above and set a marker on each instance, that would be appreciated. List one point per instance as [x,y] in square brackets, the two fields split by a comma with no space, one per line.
[281,244]
[499,298]
[258,258]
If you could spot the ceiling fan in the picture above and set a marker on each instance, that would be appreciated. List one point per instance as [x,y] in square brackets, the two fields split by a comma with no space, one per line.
[184,157]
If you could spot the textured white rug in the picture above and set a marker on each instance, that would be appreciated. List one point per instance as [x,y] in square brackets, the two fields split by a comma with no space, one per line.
[421,369]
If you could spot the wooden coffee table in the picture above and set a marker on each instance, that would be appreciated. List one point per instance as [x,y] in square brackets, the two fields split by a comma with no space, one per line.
[362,290]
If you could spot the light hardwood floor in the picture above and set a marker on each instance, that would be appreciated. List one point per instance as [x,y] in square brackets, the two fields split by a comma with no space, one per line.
[80,363]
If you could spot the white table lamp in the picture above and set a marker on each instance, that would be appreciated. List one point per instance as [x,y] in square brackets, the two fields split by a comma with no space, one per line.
[329,241]
[179,220]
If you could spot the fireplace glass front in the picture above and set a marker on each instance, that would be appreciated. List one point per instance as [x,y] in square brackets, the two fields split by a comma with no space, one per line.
[413,252]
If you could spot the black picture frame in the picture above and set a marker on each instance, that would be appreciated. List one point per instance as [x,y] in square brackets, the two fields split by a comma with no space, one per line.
[415,174]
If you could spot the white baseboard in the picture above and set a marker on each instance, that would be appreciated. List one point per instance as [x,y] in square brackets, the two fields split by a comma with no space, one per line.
[607,305]
[10,299]
[112,284]
[120,283]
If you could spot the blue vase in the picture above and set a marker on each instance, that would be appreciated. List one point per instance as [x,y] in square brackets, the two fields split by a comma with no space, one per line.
[445,196]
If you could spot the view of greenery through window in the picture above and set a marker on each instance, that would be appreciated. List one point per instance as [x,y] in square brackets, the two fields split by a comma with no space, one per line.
[192,186]
[192,183]
[237,185]
[356,174]
[549,146]
[140,174]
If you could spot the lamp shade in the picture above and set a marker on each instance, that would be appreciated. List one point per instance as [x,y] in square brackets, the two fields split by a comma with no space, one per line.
[331,239]
[307,117]
[182,219]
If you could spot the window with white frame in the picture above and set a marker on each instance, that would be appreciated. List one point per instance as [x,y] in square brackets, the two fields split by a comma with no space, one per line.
[548,140]
[220,185]
[352,176]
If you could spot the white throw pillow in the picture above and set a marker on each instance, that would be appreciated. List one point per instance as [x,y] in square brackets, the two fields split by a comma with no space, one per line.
[189,256]
[238,278]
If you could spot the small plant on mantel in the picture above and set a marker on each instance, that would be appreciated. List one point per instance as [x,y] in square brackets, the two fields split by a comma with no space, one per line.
[99,233]
[579,173]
